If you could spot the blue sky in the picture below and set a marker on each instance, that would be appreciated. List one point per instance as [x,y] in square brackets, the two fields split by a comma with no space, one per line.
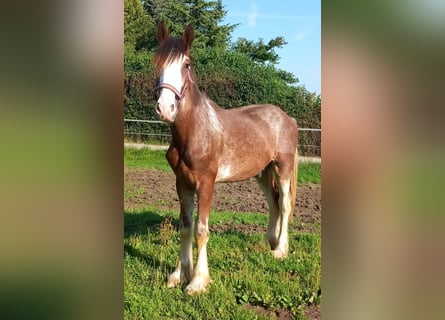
[298,21]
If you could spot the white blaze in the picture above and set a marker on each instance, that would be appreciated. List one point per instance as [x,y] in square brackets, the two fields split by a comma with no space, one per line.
[172,75]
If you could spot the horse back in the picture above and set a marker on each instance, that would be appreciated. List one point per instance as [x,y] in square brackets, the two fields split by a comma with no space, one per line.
[253,136]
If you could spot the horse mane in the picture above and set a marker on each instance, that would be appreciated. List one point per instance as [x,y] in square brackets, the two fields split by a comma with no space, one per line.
[170,50]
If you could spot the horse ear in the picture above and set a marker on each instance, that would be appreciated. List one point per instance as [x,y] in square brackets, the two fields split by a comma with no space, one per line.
[162,32]
[188,37]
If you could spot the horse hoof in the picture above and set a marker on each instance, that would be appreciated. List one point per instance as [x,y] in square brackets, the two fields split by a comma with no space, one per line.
[279,254]
[197,286]
[172,283]
[174,279]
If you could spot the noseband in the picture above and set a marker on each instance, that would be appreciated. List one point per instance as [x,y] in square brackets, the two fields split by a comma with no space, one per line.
[179,95]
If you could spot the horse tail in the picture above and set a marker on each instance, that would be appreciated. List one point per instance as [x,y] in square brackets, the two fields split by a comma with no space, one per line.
[293,185]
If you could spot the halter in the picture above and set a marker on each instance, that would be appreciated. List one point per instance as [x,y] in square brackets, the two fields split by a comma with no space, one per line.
[178,95]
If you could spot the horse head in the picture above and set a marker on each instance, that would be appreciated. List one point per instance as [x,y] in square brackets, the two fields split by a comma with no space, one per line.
[172,61]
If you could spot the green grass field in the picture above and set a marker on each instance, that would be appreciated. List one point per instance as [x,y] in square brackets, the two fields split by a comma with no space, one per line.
[247,282]
[145,158]
[148,159]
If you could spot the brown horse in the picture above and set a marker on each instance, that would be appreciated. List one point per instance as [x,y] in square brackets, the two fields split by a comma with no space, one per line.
[211,144]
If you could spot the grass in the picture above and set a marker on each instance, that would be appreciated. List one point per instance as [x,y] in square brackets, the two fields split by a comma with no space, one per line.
[145,158]
[309,173]
[241,267]
[246,278]
[130,191]
[149,159]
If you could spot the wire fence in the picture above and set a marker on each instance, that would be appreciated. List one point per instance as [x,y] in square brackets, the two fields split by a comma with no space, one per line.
[158,132]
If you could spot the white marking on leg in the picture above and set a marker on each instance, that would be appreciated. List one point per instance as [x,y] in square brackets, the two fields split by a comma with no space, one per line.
[186,254]
[201,276]
[175,278]
[184,269]
[285,209]
[273,229]
[201,263]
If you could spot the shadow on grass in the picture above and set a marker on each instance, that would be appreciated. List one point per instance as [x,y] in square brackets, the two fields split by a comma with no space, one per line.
[139,223]
[148,259]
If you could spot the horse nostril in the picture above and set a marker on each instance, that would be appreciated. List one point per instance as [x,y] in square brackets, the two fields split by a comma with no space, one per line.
[172,107]
[158,109]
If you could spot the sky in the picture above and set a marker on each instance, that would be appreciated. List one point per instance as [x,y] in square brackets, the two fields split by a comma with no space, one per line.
[298,21]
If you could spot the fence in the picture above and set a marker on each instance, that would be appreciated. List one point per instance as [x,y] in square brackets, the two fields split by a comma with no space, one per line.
[158,132]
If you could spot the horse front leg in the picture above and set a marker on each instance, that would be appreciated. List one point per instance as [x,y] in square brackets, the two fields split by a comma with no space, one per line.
[184,269]
[201,277]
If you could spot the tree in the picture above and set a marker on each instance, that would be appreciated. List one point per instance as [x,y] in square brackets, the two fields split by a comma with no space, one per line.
[206,17]
[136,24]
[240,74]
[259,51]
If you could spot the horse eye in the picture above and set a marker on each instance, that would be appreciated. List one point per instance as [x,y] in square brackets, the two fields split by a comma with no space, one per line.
[187,65]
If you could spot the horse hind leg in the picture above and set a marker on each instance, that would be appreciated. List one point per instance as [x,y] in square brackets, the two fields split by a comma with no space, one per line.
[268,185]
[281,250]
[286,176]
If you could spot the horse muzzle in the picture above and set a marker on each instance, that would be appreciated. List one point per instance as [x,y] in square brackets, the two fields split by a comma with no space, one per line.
[166,113]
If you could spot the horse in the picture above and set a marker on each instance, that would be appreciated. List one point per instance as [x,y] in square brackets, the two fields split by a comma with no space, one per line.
[211,144]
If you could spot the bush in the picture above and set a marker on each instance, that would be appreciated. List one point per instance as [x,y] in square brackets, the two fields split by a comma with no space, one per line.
[229,78]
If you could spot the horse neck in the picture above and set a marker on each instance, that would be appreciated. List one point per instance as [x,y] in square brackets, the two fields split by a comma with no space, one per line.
[195,119]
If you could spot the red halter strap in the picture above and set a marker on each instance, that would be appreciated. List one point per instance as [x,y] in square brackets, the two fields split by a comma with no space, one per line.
[179,95]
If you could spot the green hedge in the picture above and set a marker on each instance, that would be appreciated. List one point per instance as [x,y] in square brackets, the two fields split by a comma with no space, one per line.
[227,77]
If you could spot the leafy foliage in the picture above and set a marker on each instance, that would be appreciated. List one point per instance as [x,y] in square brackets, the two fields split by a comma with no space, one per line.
[241,74]
[206,17]
[137,61]
[136,24]
[259,51]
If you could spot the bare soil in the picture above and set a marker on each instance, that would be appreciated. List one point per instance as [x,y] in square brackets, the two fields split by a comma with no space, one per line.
[157,188]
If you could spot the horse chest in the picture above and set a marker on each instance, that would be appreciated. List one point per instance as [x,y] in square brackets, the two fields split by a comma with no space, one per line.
[194,170]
